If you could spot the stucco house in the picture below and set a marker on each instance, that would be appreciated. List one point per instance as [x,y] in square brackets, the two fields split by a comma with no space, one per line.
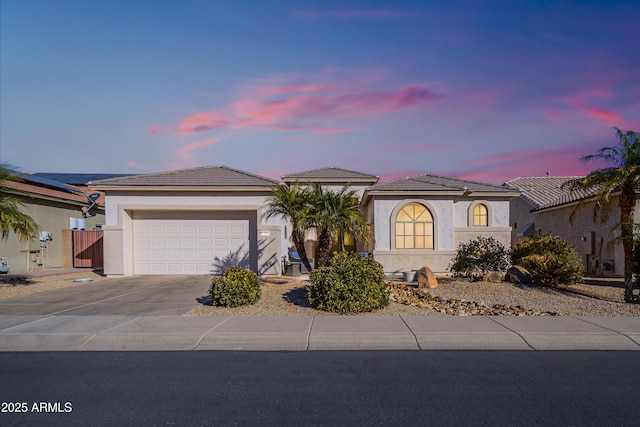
[202,220]
[193,221]
[545,207]
[57,209]
[420,221]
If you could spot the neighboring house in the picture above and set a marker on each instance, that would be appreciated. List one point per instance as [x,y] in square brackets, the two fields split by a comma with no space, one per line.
[420,221]
[80,180]
[193,221]
[544,207]
[203,220]
[56,208]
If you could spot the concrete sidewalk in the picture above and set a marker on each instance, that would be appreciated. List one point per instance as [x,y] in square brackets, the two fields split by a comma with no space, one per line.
[159,333]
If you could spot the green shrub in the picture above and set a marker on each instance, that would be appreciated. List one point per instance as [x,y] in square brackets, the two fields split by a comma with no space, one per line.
[235,287]
[476,258]
[549,259]
[349,283]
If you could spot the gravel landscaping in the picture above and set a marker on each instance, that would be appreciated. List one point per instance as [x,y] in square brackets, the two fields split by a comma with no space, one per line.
[286,297]
[283,296]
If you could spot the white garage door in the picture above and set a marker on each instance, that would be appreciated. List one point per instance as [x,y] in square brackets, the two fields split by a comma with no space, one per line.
[189,242]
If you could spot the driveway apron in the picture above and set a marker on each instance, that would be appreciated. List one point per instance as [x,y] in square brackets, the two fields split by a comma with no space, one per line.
[135,295]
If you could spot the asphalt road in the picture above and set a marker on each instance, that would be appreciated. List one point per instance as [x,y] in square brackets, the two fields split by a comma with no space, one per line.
[321,388]
[131,295]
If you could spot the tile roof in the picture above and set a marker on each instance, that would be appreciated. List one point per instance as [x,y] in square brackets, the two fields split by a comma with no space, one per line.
[330,174]
[34,190]
[208,176]
[545,191]
[78,178]
[433,183]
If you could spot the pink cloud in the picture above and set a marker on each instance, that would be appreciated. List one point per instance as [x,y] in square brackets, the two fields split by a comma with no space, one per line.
[259,112]
[312,107]
[186,152]
[607,116]
[201,122]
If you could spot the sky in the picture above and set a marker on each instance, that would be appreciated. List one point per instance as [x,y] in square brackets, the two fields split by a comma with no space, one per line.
[480,90]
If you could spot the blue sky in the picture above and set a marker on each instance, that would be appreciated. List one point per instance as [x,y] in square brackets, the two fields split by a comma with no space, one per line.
[486,90]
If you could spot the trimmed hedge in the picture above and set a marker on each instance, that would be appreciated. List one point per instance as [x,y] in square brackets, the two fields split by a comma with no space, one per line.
[237,286]
[549,259]
[349,283]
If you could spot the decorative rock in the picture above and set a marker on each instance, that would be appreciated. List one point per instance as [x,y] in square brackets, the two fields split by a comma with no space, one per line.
[426,278]
[408,295]
[517,274]
[493,276]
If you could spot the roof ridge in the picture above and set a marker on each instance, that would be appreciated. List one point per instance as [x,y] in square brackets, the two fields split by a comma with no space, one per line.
[160,173]
[252,175]
[329,168]
[198,176]
[546,177]
[463,180]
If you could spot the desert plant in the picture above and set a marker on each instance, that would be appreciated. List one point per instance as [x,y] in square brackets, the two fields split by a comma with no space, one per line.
[477,257]
[11,217]
[622,177]
[349,283]
[549,259]
[237,286]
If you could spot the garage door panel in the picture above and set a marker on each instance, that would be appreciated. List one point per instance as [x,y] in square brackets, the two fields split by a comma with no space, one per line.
[188,243]
[205,243]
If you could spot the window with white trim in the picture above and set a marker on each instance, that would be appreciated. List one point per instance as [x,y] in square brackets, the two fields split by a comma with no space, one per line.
[414,227]
[480,215]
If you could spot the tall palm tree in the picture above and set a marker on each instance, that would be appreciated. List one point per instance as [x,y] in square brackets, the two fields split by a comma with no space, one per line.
[335,213]
[293,204]
[11,218]
[622,178]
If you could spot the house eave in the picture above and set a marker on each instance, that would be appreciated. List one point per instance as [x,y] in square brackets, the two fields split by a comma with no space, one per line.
[175,188]
[338,181]
[370,193]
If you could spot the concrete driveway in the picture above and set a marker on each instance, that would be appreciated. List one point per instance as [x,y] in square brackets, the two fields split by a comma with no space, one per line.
[135,295]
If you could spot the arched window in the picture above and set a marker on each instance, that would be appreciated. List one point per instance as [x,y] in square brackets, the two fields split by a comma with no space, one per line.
[480,215]
[414,227]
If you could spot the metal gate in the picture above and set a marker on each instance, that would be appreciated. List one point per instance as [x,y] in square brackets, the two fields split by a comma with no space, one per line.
[88,249]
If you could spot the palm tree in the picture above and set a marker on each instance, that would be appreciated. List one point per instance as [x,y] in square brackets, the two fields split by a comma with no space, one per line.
[622,178]
[292,204]
[335,213]
[11,219]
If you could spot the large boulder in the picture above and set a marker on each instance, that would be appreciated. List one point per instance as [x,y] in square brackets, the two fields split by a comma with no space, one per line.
[426,278]
[517,274]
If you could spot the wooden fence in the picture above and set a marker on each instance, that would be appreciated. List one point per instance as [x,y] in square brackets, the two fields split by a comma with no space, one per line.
[88,249]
